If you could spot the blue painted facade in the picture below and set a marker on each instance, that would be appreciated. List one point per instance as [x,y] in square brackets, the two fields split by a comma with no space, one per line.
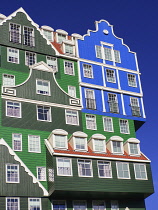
[92,51]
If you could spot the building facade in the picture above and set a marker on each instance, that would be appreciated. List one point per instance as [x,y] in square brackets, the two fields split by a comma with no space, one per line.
[70,108]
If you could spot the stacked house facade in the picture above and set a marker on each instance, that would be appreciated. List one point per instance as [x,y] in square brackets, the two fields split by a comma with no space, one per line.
[70,107]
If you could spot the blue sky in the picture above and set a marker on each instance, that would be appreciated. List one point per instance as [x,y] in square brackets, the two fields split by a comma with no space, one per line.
[136,22]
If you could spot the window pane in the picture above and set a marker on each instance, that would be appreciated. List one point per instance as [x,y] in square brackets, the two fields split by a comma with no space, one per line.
[13,109]
[60,141]
[41,173]
[104,169]
[88,72]
[34,204]
[44,113]
[12,203]
[123,170]
[12,173]
[17,142]
[110,75]
[132,80]
[124,126]
[52,62]
[29,38]
[80,143]
[84,168]
[71,117]
[34,143]
[64,167]
[15,33]
[108,124]
[8,80]
[91,122]
[59,205]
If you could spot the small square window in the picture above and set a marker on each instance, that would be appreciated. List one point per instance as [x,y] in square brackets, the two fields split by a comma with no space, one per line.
[108,124]
[13,109]
[104,169]
[123,170]
[15,33]
[134,149]
[99,145]
[87,71]
[13,55]
[80,143]
[12,203]
[140,171]
[43,87]
[44,113]
[91,122]
[110,76]
[17,141]
[64,167]
[69,68]
[8,80]
[117,147]
[124,128]
[72,91]
[48,34]
[85,168]
[79,205]
[52,62]
[34,204]
[132,80]
[61,37]
[30,58]
[34,144]
[12,173]
[59,205]
[69,49]
[41,173]
[29,38]
[60,141]
[71,117]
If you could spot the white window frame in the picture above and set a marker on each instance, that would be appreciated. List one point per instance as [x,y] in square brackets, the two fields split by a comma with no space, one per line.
[70,91]
[91,168]
[54,67]
[51,174]
[93,104]
[46,32]
[19,33]
[140,171]
[13,105]
[112,130]
[17,171]
[114,202]
[95,124]
[47,94]
[127,168]
[113,77]
[121,147]
[69,53]
[9,75]
[59,202]
[30,53]
[39,142]
[138,149]
[43,177]
[89,75]
[78,202]
[110,169]
[15,57]
[73,70]
[77,116]
[14,139]
[85,143]
[17,198]
[98,51]
[104,146]
[63,35]
[49,113]
[54,141]
[57,165]
[135,81]
[32,37]
[121,131]
[34,199]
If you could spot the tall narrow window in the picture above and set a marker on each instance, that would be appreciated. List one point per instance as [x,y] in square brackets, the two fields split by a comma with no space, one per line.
[104,169]
[85,168]
[140,171]
[44,113]
[51,174]
[135,107]
[59,205]
[15,33]
[124,128]
[52,62]
[113,103]
[69,68]
[71,117]
[17,141]
[132,80]
[110,75]
[41,173]
[79,205]
[87,71]
[98,51]
[64,167]
[13,55]
[117,56]
[12,203]
[108,124]
[34,143]
[30,58]
[13,109]
[98,205]
[72,91]
[8,80]
[90,99]
[91,122]
[43,87]
[29,38]
[34,204]
[108,54]
[12,173]
[123,170]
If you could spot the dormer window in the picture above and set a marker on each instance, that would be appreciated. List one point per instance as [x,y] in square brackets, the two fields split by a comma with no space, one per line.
[61,37]
[97,143]
[115,145]
[78,141]
[132,146]
[48,32]
[69,49]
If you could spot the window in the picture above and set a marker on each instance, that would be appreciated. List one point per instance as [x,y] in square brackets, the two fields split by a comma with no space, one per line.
[113,103]
[61,37]
[80,143]
[71,117]
[69,68]
[34,204]
[8,80]
[117,56]
[98,205]
[48,34]
[90,99]
[124,128]
[17,141]
[123,170]
[69,49]
[91,122]
[104,169]
[85,168]
[108,124]
[114,205]
[72,91]
[134,149]
[108,53]
[30,58]
[59,205]
[140,171]
[12,173]
[52,62]
[64,167]
[15,33]
[41,173]
[117,147]
[29,38]
[12,55]
[87,71]
[60,141]
[34,143]
[110,76]
[12,203]
[135,107]
[99,145]
[13,109]
[51,174]
[44,113]
[132,80]
[98,51]
[79,205]
[42,87]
